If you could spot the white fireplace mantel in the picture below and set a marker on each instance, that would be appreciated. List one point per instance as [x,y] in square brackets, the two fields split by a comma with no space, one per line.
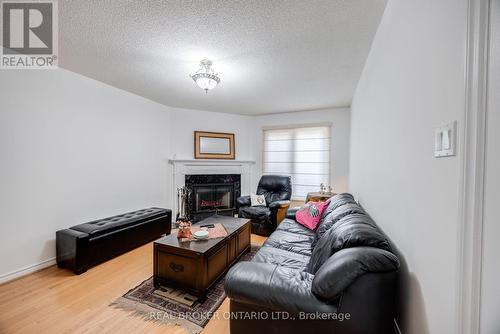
[183,167]
[210,161]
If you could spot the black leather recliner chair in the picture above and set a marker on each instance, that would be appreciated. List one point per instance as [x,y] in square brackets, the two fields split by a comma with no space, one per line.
[277,189]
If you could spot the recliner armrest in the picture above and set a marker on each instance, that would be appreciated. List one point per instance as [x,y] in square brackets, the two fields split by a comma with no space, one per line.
[278,210]
[278,204]
[243,201]
[274,287]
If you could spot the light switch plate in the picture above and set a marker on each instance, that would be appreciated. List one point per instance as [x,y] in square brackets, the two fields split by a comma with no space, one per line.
[445,140]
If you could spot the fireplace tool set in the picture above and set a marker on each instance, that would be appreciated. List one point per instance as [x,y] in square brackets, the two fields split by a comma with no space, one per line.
[183,214]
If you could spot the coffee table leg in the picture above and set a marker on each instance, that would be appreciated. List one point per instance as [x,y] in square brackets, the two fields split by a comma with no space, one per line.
[156,284]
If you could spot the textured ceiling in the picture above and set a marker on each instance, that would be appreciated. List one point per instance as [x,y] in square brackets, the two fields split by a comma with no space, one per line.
[272,55]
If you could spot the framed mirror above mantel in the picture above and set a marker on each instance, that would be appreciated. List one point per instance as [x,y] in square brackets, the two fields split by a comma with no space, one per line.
[214,145]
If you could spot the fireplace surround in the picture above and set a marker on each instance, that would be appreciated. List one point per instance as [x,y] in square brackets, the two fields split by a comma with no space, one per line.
[182,167]
[212,194]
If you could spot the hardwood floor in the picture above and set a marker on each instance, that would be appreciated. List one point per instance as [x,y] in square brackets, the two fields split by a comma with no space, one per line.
[54,300]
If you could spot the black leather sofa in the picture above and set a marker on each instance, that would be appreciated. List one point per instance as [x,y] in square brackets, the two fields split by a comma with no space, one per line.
[341,278]
[83,246]
[277,189]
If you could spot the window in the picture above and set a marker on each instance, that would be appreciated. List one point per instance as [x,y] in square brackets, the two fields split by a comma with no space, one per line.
[301,152]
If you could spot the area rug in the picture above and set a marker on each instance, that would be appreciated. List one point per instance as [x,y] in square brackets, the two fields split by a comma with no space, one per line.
[171,306]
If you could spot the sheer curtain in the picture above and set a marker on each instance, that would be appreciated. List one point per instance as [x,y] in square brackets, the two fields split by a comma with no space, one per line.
[301,152]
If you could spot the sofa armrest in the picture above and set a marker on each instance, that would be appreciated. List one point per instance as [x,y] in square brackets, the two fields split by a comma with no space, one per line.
[274,287]
[243,201]
[347,265]
[290,213]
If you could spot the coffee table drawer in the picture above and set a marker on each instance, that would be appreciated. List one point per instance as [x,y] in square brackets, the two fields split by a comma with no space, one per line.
[217,263]
[178,269]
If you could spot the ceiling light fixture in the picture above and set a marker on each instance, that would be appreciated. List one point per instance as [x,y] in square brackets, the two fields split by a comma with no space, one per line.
[205,77]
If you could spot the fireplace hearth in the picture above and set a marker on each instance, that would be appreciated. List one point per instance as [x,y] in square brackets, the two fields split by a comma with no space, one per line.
[212,194]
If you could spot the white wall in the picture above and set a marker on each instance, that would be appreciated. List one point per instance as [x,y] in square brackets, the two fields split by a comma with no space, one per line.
[72,150]
[413,82]
[185,122]
[340,119]
[490,297]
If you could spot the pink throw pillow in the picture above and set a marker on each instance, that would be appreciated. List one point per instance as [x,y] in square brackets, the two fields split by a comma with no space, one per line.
[310,214]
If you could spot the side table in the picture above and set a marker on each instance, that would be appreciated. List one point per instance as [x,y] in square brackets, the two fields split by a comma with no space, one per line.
[319,196]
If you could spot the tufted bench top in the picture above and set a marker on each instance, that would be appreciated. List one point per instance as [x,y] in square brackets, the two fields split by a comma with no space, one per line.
[107,225]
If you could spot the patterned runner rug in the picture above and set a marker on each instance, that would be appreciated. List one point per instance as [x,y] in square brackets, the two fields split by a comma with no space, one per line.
[173,306]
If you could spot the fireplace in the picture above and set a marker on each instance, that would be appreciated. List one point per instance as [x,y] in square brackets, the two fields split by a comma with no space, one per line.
[211,194]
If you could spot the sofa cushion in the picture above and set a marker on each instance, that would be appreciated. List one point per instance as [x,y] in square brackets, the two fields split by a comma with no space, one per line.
[296,243]
[277,288]
[291,226]
[333,217]
[345,266]
[354,230]
[336,202]
[281,257]
[107,225]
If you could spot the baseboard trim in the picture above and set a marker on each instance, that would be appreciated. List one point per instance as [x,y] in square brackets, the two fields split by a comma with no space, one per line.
[27,270]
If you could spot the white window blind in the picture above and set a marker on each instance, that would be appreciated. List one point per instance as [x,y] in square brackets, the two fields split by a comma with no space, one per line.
[303,153]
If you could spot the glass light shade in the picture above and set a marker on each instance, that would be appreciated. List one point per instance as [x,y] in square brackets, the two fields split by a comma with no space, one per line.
[205,82]
[205,77]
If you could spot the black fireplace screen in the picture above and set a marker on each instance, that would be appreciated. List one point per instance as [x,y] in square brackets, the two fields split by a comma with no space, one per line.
[213,197]
[214,193]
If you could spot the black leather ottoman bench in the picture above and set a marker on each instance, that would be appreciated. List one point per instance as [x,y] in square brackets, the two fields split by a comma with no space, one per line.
[83,246]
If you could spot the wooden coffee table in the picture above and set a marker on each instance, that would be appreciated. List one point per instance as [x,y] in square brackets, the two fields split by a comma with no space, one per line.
[196,265]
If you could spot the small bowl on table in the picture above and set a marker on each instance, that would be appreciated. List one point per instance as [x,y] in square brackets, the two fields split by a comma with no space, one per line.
[200,235]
